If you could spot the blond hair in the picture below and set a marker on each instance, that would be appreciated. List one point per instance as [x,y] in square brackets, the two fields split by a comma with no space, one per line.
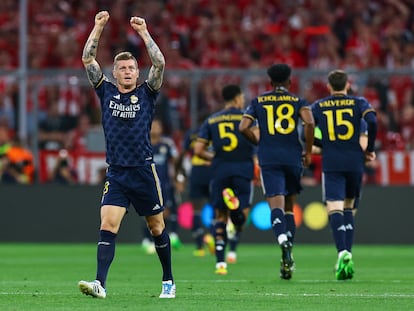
[125,56]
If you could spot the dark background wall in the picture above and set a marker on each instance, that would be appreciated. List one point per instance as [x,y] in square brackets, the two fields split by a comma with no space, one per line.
[52,213]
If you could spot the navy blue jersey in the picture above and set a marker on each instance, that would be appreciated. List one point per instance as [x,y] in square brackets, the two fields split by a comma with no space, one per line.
[233,152]
[277,115]
[364,128]
[339,119]
[164,152]
[200,174]
[126,120]
[189,141]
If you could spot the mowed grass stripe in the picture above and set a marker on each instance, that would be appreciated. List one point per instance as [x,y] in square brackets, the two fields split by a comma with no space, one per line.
[44,277]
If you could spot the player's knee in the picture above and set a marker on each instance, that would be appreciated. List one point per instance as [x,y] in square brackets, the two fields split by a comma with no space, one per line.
[156,229]
[110,226]
[110,229]
[155,225]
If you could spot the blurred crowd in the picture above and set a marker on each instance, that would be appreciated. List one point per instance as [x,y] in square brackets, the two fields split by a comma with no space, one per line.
[208,34]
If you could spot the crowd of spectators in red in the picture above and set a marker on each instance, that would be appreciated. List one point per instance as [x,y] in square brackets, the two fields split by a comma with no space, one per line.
[209,34]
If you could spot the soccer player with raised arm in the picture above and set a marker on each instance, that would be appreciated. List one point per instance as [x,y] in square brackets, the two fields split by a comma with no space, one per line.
[131,179]
[339,118]
[281,156]
[232,168]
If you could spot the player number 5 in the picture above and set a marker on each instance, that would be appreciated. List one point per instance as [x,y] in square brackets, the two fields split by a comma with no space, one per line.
[226,130]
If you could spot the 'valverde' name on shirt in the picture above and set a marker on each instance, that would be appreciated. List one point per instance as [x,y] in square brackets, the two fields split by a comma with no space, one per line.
[274,98]
[225,117]
[337,103]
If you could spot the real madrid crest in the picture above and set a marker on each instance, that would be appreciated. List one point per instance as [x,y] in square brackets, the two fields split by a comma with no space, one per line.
[133,99]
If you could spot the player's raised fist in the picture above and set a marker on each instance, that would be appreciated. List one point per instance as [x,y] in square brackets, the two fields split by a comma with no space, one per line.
[138,23]
[137,20]
[101,18]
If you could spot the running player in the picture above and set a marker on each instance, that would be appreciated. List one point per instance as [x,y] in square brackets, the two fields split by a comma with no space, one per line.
[339,118]
[232,168]
[280,154]
[199,193]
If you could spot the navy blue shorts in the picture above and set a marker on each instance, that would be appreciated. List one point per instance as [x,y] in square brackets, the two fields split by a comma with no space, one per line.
[138,186]
[338,186]
[200,182]
[281,180]
[242,187]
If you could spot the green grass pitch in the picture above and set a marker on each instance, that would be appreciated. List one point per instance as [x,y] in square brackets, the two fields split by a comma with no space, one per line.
[44,277]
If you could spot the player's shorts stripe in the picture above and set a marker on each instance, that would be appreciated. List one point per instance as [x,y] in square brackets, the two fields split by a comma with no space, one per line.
[157,183]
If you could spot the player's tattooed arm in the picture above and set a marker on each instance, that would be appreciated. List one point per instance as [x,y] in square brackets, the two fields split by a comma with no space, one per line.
[93,70]
[94,73]
[156,72]
[90,49]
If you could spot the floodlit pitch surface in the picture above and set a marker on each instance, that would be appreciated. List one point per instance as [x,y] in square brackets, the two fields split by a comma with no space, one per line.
[44,277]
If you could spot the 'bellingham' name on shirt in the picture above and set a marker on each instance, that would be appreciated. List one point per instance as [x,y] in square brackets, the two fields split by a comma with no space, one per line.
[225,117]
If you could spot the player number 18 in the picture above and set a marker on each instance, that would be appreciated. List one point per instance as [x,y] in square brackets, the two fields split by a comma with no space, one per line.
[284,112]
